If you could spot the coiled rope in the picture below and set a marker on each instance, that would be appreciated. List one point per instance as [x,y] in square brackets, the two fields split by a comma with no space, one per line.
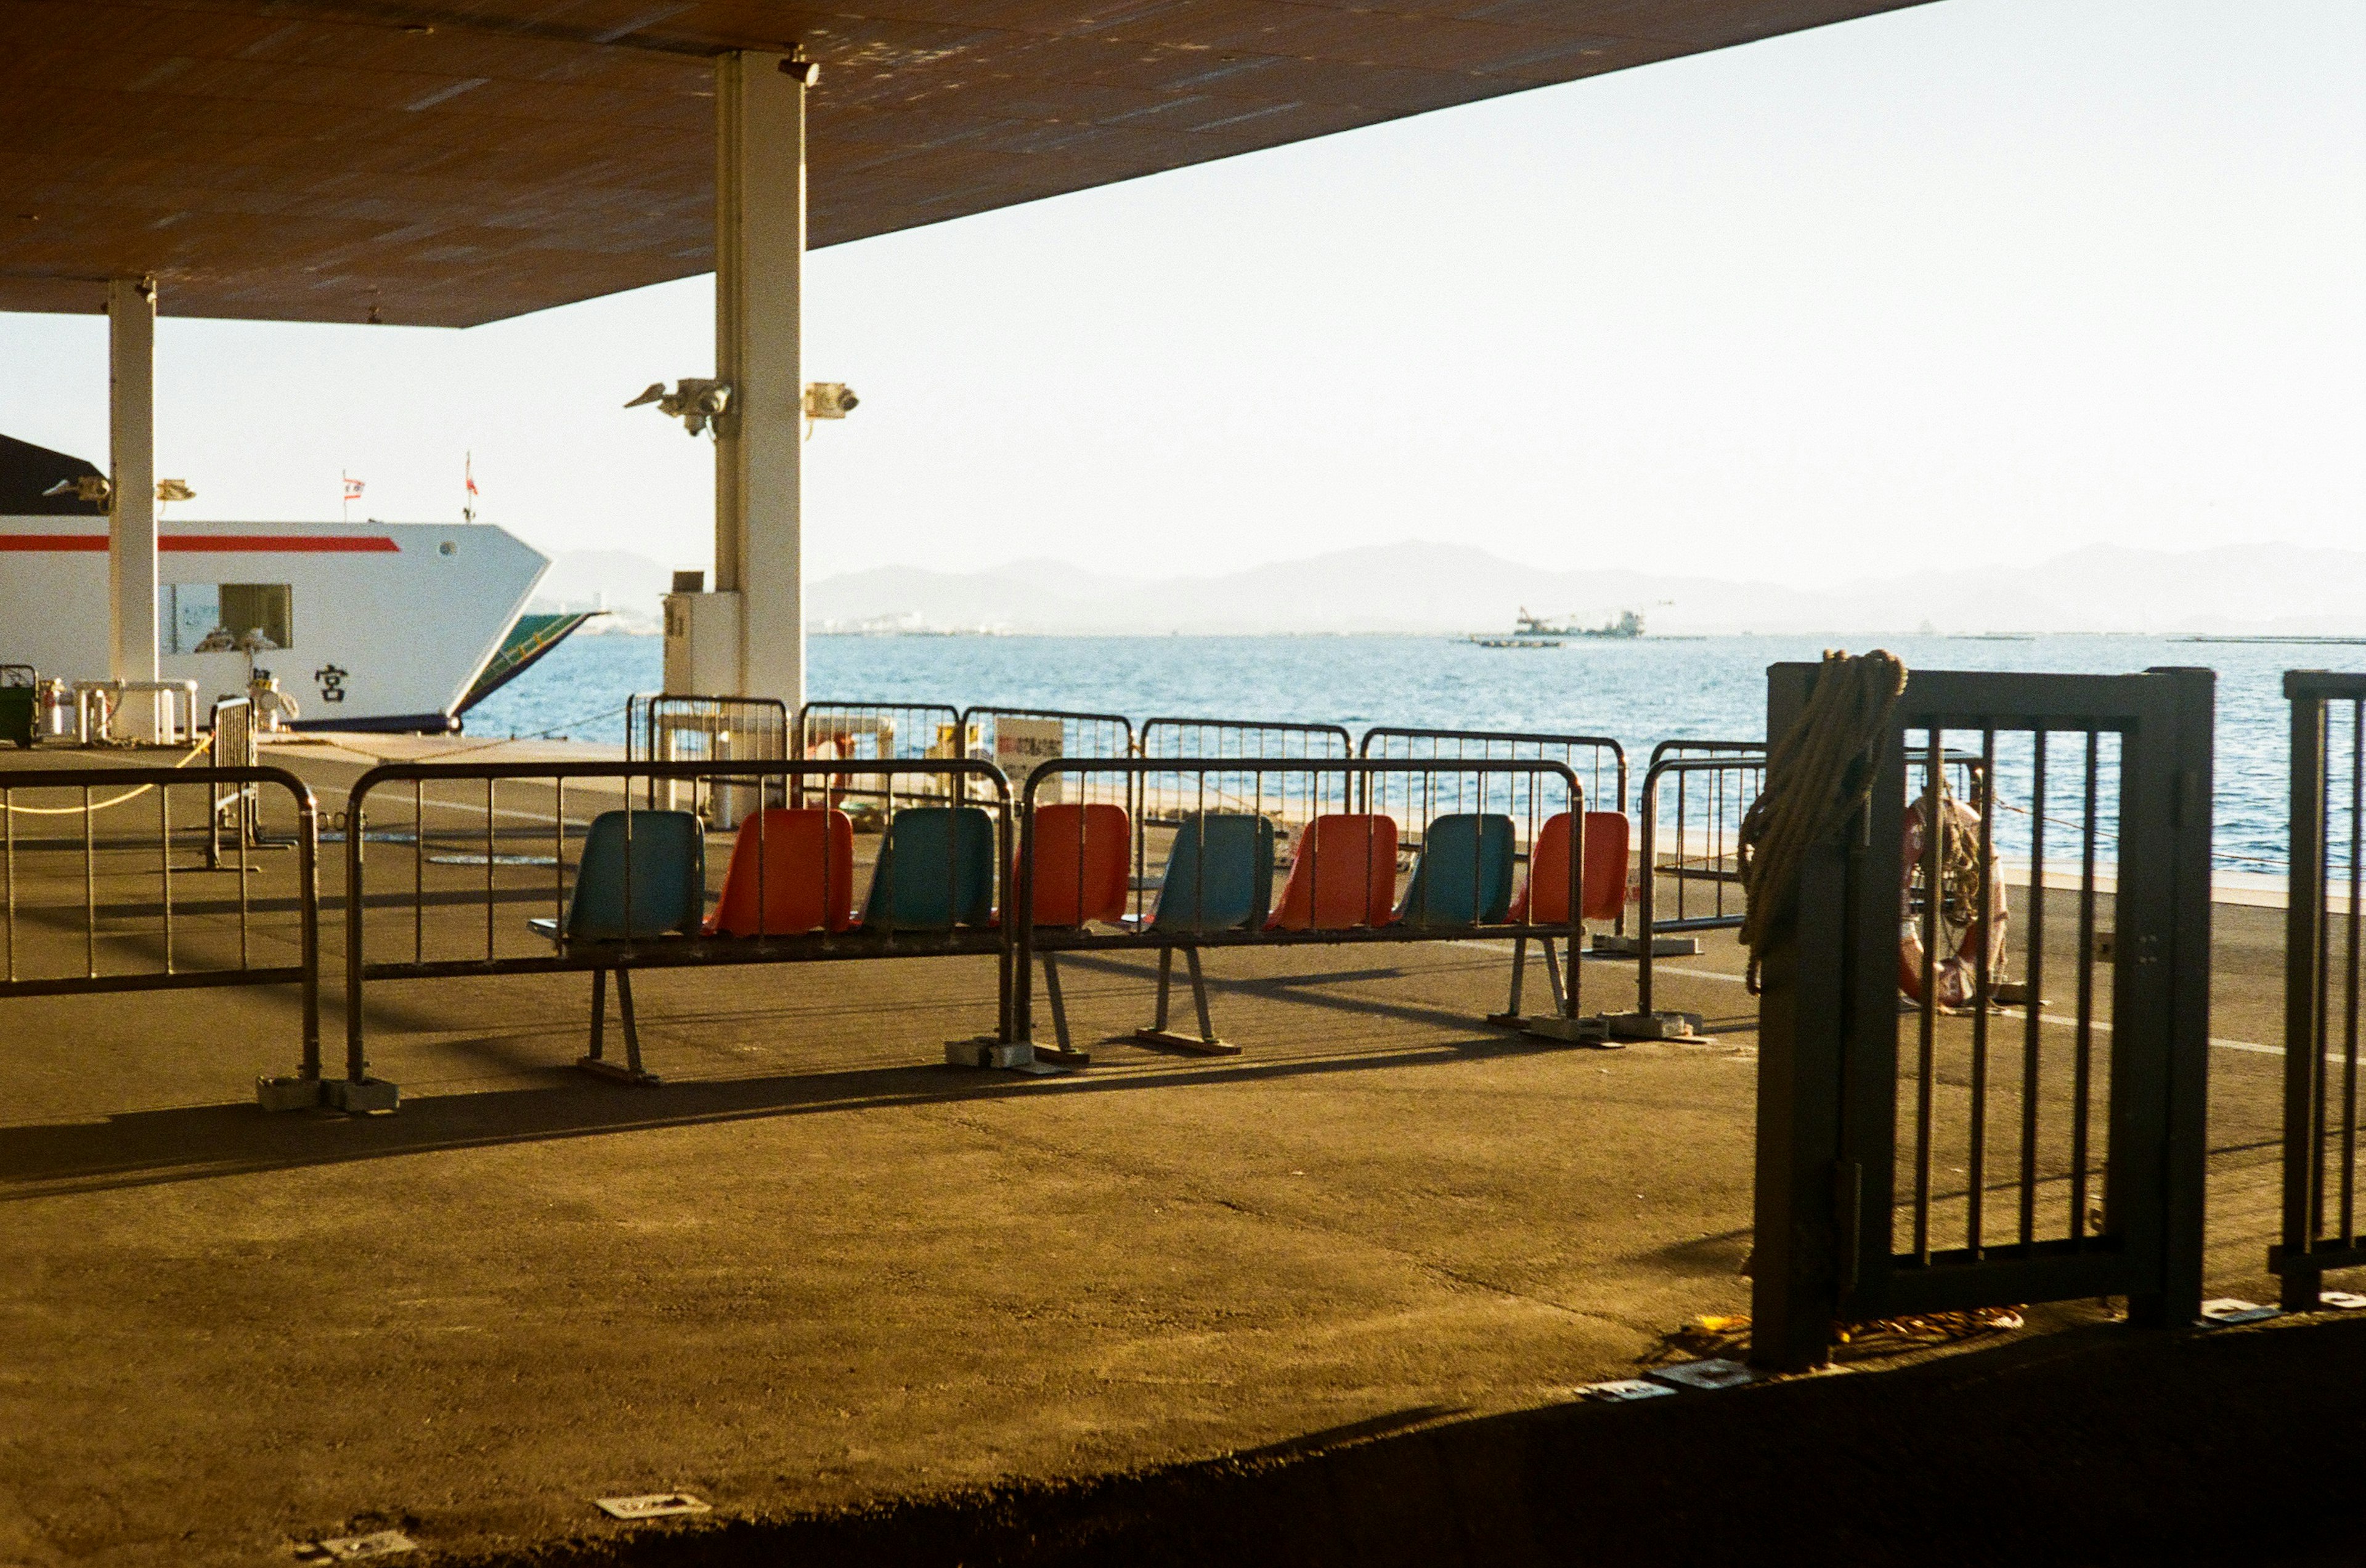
[1818,773]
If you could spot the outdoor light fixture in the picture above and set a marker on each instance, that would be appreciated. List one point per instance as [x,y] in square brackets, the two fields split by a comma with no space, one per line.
[695,401]
[829,399]
[89,487]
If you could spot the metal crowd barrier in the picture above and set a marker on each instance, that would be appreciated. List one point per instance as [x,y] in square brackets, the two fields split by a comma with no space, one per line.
[1479,745]
[1243,737]
[2322,984]
[866,732]
[231,725]
[1712,792]
[122,921]
[673,726]
[523,845]
[1295,790]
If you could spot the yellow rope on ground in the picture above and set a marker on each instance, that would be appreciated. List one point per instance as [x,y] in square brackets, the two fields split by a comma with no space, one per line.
[1824,763]
[199,749]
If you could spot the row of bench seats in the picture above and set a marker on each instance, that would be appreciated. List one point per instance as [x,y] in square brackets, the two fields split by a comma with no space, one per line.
[791,874]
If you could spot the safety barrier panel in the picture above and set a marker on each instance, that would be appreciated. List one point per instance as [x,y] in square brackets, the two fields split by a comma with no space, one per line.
[527,831]
[1591,753]
[2321,942]
[1224,885]
[1018,741]
[1711,793]
[2000,1157]
[1247,737]
[860,731]
[233,730]
[675,727]
[87,914]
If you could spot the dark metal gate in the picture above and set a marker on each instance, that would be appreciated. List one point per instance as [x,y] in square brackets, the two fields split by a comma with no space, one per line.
[2322,984]
[1930,1139]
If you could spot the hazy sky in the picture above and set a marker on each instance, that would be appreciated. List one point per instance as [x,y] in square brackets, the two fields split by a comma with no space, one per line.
[1983,279]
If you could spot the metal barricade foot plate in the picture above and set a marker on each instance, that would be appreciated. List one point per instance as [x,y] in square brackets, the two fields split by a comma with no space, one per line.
[1653,1026]
[1610,945]
[600,1067]
[1167,1037]
[289,1093]
[990,1052]
[359,1097]
[1574,1030]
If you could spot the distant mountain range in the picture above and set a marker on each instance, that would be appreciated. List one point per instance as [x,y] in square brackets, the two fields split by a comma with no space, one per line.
[1419,587]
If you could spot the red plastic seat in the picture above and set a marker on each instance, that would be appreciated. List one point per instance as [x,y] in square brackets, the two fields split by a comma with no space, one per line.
[801,890]
[1081,855]
[1603,885]
[1344,875]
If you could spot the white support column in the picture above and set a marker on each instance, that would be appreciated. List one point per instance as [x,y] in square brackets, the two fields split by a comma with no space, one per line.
[131,515]
[759,249]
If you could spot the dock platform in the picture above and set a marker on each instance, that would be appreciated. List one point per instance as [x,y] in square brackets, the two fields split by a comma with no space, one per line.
[817,1269]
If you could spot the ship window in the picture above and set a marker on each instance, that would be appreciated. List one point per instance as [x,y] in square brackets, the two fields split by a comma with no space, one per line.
[185,611]
[188,613]
[266,607]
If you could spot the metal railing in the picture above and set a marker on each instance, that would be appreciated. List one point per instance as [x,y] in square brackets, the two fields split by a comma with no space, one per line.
[1215,738]
[1294,790]
[1018,741]
[516,839]
[235,745]
[2322,984]
[88,914]
[1712,792]
[866,732]
[673,726]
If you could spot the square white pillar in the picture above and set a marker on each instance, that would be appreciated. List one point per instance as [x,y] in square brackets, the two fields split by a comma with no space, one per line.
[760,248]
[131,514]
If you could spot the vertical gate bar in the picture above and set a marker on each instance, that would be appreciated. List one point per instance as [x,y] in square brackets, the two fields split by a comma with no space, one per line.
[488,865]
[164,857]
[2349,980]
[89,894]
[2304,913]
[1976,1163]
[1646,912]
[558,853]
[2035,948]
[2082,1064]
[2319,1004]
[1803,1227]
[2182,1078]
[418,869]
[8,811]
[1927,1016]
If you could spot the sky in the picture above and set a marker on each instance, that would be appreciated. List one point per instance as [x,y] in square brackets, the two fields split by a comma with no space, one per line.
[1980,281]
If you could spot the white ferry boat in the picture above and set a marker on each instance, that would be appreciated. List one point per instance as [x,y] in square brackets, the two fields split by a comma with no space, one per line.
[372,625]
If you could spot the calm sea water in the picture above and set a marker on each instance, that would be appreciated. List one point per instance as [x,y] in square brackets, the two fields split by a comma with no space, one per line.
[1640,692]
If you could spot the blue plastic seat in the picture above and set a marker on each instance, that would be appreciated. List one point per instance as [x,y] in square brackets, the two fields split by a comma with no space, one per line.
[668,885]
[664,896]
[1219,874]
[936,871]
[1464,875]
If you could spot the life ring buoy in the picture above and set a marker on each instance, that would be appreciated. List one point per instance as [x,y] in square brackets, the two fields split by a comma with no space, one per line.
[1955,975]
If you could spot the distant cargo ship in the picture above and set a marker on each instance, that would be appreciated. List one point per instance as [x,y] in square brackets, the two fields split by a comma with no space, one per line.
[1630,623]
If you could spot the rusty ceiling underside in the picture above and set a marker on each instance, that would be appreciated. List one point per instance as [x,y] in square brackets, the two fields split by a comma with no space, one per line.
[456,163]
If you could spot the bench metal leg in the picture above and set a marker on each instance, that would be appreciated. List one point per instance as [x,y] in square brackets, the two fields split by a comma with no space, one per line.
[1064,1055]
[1511,1013]
[596,1061]
[1206,1043]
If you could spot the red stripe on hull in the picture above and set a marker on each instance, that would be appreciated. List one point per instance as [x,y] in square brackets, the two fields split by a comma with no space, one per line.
[216,543]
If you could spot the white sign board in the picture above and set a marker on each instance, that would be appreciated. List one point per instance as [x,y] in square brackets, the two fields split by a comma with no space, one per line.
[1023,745]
